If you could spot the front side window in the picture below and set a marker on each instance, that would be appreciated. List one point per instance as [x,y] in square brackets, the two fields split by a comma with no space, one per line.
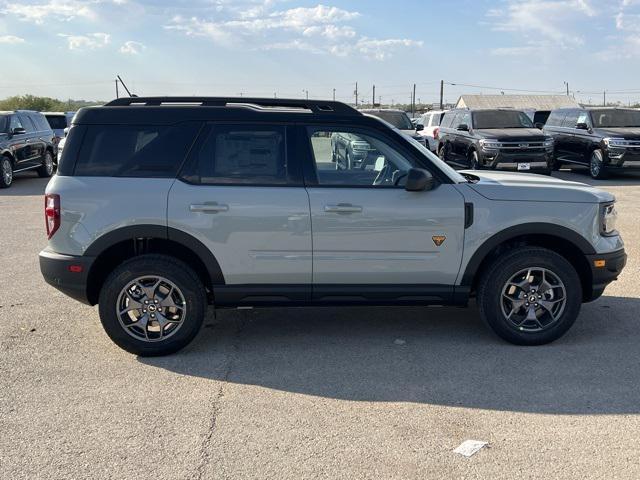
[14,123]
[354,158]
[464,119]
[27,123]
[4,123]
[571,119]
[489,119]
[239,154]
[611,118]
[449,119]
[155,151]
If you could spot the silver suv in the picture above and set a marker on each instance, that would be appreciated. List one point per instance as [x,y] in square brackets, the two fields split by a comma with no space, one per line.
[162,206]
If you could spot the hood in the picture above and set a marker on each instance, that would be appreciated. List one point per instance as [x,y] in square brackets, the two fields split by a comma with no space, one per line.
[509,186]
[628,133]
[512,134]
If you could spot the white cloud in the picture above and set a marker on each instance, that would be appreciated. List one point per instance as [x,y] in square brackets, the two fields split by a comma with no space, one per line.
[319,29]
[11,39]
[90,41]
[132,48]
[65,10]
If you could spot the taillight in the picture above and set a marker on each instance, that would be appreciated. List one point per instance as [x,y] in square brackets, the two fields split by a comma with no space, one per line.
[436,132]
[52,213]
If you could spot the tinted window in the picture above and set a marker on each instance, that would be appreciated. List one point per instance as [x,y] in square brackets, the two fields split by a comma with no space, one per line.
[14,122]
[40,121]
[238,154]
[464,118]
[27,123]
[350,158]
[541,117]
[4,123]
[448,119]
[556,118]
[400,120]
[571,119]
[57,122]
[134,150]
[615,118]
[501,119]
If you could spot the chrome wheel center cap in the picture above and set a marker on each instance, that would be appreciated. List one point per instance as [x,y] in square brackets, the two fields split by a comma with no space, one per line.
[152,308]
[532,298]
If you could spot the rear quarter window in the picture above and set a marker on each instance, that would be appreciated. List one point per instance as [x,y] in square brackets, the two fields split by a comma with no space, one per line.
[57,122]
[155,151]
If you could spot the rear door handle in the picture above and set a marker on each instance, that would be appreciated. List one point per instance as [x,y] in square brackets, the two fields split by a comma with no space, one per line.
[342,208]
[208,207]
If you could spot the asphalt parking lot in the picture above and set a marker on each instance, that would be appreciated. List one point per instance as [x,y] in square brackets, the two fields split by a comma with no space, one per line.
[314,393]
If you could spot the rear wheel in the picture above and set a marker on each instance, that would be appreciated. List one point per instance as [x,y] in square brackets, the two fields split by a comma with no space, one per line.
[596,165]
[530,296]
[46,169]
[152,305]
[6,172]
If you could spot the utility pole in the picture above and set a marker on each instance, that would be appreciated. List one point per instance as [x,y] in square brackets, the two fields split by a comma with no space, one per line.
[441,94]
[413,110]
[334,94]
[567,85]
[373,97]
[356,94]
[604,98]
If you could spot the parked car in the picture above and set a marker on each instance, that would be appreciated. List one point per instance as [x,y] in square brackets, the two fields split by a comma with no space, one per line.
[500,139]
[158,210]
[428,126]
[604,139]
[397,118]
[61,144]
[26,143]
[58,122]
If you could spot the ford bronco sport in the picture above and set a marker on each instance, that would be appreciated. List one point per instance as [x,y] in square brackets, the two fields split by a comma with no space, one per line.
[162,206]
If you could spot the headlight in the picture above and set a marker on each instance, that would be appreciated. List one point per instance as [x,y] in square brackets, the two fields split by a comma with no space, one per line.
[490,144]
[548,143]
[608,219]
[615,142]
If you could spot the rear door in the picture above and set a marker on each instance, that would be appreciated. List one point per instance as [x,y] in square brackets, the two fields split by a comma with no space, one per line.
[241,194]
[372,239]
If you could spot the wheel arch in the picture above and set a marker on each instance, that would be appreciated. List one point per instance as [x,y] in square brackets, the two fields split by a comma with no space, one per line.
[112,248]
[562,240]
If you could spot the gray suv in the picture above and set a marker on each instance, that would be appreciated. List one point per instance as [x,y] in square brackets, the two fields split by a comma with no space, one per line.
[162,206]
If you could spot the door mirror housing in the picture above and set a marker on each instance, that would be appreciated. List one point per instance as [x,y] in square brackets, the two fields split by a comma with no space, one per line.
[539,125]
[419,127]
[463,127]
[582,126]
[419,179]
[18,131]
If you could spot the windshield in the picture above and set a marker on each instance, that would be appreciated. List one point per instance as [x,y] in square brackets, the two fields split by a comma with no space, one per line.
[501,119]
[4,123]
[615,118]
[431,158]
[400,120]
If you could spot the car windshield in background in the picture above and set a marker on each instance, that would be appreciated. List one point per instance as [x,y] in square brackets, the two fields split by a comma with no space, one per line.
[615,118]
[501,119]
[57,122]
[4,123]
[397,119]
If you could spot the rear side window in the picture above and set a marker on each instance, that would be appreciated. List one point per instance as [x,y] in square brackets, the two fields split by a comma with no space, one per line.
[240,154]
[40,121]
[155,151]
[57,122]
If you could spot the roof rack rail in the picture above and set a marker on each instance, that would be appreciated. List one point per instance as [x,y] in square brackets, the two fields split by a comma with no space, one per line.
[316,106]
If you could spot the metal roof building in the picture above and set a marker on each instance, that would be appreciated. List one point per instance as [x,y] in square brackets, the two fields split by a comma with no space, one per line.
[522,102]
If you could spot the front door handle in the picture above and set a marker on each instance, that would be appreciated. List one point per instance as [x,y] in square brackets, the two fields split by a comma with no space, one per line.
[208,207]
[342,208]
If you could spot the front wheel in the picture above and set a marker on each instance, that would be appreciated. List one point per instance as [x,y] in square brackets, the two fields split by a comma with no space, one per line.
[596,165]
[530,296]
[6,172]
[443,153]
[152,305]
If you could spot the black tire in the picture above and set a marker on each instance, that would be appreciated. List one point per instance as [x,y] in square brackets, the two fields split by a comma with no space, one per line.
[177,272]
[596,165]
[6,172]
[495,279]
[443,153]
[47,167]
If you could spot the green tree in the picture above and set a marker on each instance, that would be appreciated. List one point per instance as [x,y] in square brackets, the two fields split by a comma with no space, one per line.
[43,104]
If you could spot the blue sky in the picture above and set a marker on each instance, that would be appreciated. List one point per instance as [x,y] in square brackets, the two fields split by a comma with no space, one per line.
[72,48]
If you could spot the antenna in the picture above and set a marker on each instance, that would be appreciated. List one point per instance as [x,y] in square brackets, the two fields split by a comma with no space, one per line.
[125,86]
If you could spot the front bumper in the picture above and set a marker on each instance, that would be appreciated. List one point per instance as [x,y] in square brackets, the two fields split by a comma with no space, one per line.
[605,268]
[500,160]
[623,158]
[67,273]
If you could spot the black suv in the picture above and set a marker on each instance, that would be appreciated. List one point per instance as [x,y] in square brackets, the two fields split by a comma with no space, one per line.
[605,139]
[26,143]
[502,139]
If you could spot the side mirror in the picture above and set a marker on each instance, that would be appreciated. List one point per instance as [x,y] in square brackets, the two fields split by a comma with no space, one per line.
[539,125]
[582,126]
[419,179]
[419,127]
[18,131]
[463,127]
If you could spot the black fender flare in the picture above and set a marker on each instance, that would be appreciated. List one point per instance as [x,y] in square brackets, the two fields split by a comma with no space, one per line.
[511,233]
[132,232]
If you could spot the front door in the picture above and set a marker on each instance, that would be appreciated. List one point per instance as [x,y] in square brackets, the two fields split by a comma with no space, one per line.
[372,239]
[241,195]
